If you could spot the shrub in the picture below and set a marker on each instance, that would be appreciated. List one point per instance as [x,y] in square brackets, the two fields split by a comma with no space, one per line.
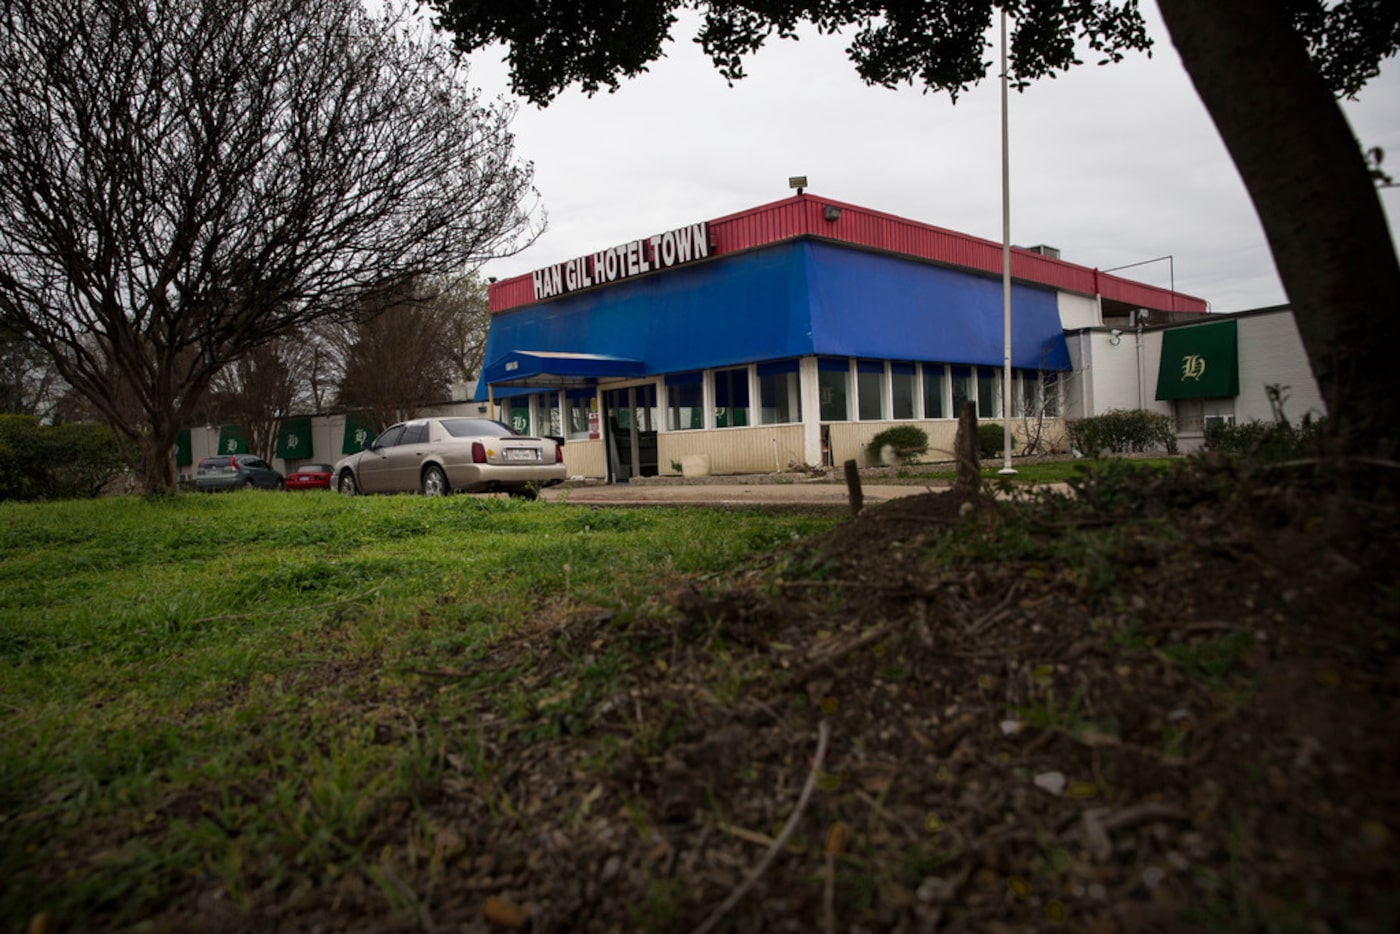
[1266,442]
[21,473]
[65,461]
[80,458]
[1122,431]
[991,440]
[905,442]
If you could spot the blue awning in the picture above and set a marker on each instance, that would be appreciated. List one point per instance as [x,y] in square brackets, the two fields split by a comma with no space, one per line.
[548,369]
[783,302]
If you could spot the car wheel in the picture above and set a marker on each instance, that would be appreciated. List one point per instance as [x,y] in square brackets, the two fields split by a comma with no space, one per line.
[248,484]
[346,483]
[435,482]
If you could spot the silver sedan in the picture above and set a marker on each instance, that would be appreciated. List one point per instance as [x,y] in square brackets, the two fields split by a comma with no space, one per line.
[437,456]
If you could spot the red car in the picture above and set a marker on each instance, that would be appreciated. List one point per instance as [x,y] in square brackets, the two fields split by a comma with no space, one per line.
[310,477]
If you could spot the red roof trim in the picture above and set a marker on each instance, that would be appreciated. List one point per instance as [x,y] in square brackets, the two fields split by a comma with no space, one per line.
[805,215]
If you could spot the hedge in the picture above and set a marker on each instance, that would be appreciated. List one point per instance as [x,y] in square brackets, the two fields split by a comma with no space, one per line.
[55,462]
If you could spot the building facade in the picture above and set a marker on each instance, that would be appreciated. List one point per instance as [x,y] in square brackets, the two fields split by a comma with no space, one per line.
[790,334]
[793,333]
[1237,368]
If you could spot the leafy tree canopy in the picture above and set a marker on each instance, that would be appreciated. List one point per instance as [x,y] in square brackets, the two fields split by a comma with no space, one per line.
[939,45]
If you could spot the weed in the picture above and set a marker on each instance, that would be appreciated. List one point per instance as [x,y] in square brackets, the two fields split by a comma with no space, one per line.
[1211,660]
[1068,720]
[660,909]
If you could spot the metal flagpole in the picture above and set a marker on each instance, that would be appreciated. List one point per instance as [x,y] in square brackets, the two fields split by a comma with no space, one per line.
[1005,264]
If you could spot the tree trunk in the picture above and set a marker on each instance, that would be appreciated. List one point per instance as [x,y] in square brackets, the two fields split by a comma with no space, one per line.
[156,471]
[1309,182]
[965,451]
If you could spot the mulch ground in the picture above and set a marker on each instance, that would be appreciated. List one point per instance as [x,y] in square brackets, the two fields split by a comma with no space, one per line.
[1166,705]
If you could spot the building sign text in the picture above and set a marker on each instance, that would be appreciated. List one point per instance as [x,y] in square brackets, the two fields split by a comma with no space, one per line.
[672,248]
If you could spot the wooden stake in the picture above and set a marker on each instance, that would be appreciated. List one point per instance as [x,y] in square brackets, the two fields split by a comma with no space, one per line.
[857,498]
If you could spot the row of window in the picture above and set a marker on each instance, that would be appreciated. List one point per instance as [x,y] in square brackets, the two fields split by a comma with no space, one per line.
[847,390]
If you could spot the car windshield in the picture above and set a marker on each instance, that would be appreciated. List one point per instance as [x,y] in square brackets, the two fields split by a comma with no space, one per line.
[477,428]
[314,468]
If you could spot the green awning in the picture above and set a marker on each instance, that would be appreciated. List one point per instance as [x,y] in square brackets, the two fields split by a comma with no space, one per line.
[184,450]
[294,439]
[231,440]
[359,431]
[1199,362]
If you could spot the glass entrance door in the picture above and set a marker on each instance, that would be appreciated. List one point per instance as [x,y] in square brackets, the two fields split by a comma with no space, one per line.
[631,419]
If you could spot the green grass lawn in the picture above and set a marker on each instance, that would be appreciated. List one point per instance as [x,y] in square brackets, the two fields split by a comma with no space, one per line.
[193,685]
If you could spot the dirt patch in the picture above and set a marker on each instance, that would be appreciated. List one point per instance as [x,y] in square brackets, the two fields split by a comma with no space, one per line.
[1169,704]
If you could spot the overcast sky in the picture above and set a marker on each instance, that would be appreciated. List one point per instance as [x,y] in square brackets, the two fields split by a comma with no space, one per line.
[1113,165]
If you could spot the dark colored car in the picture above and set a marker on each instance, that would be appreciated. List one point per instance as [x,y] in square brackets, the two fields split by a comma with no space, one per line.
[310,477]
[236,472]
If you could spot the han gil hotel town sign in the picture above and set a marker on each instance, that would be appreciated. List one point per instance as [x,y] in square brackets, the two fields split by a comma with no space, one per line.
[635,258]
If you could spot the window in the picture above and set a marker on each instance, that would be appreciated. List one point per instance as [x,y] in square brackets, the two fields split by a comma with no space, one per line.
[933,391]
[1050,393]
[646,415]
[415,433]
[870,385]
[987,393]
[551,415]
[685,402]
[578,404]
[731,398]
[902,390]
[962,388]
[473,427]
[390,437]
[833,388]
[519,414]
[1037,394]
[779,393]
[1190,416]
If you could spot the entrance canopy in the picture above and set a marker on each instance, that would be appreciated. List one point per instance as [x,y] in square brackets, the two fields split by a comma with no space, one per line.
[558,370]
[1200,362]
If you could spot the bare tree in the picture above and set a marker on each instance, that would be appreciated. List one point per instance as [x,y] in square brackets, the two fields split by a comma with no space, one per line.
[466,320]
[182,181]
[260,387]
[404,354]
[29,384]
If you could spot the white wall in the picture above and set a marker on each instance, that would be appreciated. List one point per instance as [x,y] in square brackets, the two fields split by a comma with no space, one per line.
[1107,370]
[1271,353]
[1078,311]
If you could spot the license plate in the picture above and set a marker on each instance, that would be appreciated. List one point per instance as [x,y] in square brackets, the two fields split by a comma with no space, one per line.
[522,454]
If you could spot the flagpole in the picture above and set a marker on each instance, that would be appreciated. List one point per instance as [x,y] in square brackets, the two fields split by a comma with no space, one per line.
[1005,264]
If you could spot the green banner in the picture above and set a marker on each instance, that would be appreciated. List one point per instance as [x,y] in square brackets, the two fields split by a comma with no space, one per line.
[184,450]
[1200,362]
[359,431]
[231,440]
[294,439]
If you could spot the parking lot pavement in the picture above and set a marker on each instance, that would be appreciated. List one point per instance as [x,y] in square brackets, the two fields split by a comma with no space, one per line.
[737,493]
